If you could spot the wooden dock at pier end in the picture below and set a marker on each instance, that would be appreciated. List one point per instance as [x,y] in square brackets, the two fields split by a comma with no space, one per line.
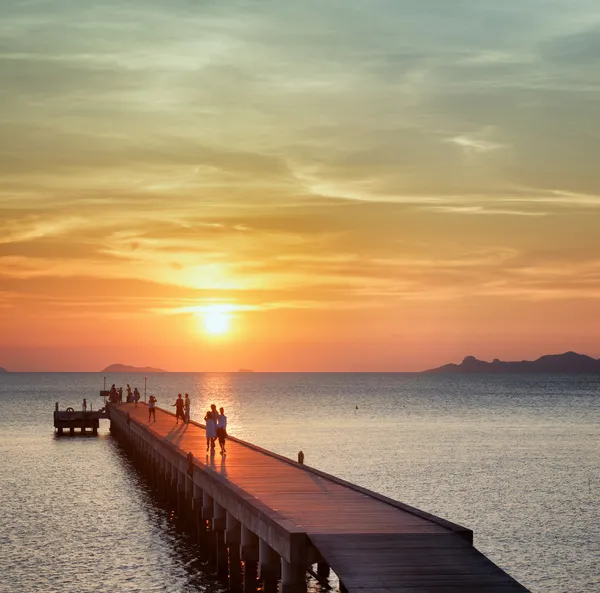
[263,517]
[71,419]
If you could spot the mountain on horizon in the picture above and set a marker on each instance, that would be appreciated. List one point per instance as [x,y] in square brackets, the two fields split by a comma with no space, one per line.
[124,368]
[3,370]
[569,362]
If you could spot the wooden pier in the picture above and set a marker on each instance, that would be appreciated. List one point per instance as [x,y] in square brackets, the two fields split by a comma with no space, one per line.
[71,419]
[265,518]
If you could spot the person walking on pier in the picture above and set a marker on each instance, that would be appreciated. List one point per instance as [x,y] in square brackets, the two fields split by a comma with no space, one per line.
[136,396]
[211,431]
[152,408]
[178,405]
[222,429]
[186,403]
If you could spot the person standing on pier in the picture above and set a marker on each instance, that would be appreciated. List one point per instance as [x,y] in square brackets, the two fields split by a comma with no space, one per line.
[186,403]
[179,410]
[84,406]
[129,396]
[211,431]
[152,408]
[136,396]
[222,429]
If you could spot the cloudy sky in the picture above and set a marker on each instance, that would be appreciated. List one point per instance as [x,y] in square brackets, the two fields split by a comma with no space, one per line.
[358,184]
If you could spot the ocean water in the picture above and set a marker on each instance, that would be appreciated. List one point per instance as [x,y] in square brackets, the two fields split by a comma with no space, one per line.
[515,458]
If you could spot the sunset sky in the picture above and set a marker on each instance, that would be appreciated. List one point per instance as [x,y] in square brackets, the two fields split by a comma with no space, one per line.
[379,185]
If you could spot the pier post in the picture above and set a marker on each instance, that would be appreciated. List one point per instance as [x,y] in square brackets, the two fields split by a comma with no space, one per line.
[218,526]
[249,554]
[269,565]
[165,479]
[323,569]
[209,536]
[233,538]
[153,469]
[189,485]
[160,476]
[180,494]
[173,486]
[197,513]
[293,577]
[207,506]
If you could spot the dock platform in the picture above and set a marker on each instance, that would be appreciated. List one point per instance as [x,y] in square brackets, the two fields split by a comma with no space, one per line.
[280,518]
[71,419]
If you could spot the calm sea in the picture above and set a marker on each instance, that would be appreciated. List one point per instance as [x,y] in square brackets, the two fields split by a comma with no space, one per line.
[514,458]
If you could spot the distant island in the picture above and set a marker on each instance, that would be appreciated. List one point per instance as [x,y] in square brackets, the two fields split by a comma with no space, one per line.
[124,368]
[569,362]
[245,371]
[3,370]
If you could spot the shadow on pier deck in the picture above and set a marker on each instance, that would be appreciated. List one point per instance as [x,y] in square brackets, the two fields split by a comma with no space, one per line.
[280,518]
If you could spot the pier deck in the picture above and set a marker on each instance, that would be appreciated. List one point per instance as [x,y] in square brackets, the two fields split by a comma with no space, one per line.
[374,544]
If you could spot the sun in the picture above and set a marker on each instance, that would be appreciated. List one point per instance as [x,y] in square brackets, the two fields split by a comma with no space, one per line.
[216,321]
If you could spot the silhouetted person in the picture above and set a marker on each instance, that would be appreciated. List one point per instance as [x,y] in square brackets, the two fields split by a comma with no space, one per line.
[186,403]
[222,429]
[152,408]
[120,395]
[129,396]
[179,413]
[84,404]
[136,396]
[211,431]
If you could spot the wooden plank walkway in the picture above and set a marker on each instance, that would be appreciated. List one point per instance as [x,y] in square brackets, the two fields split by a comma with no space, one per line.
[373,544]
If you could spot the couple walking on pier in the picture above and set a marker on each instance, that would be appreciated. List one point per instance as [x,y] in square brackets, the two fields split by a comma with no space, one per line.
[216,428]
[182,409]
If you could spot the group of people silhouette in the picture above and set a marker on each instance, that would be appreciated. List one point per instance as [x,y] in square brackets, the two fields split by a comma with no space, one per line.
[216,428]
[216,422]
[182,409]
[115,395]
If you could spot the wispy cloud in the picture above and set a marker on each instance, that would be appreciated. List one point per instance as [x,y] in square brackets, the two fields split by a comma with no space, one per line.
[307,157]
